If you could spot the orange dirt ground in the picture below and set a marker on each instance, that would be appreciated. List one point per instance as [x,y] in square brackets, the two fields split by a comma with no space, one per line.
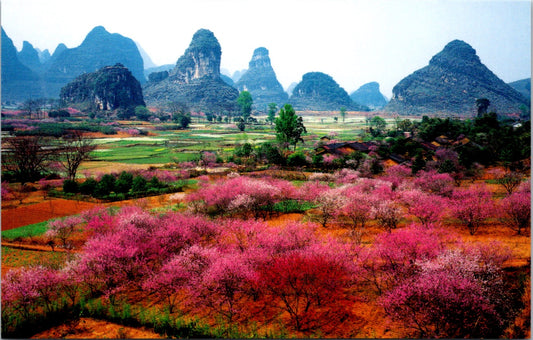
[36,209]
[87,328]
[34,213]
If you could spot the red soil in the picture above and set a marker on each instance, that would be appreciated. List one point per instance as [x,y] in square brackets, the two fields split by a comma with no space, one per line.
[87,328]
[39,212]
[36,209]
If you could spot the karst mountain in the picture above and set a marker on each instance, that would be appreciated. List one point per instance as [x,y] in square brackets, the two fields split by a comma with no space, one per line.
[452,82]
[195,80]
[320,92]
[260,80]
[369,95]
[110,88]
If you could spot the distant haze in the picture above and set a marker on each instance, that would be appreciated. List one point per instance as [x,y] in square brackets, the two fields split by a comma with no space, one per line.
[353,41]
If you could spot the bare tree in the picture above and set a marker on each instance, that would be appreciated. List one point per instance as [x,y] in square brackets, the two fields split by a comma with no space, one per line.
[74,150]
[26,156]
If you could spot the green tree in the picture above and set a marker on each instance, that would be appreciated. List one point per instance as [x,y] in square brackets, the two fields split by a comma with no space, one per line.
[405,125]
[343,113]
[289,126]
[139,184]
[245,102]
[105,186]
[183,120]
[272,109]
[88,187]
[142,113]
[124,182]
[240,124]
[377,125]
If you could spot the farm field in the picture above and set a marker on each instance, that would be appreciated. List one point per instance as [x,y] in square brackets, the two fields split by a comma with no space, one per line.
[163,147]
[223,245]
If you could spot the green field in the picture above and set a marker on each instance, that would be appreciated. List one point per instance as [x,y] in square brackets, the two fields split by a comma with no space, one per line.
[170,146]
[26,231]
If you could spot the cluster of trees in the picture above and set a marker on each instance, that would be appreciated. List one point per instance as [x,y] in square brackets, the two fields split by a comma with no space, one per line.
[242,271]
[27,158]
[124,185]
[429,199]
[22,127]
[488,140]
[176,112]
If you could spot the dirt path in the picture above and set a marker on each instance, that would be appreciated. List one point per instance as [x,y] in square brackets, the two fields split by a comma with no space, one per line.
[35,247]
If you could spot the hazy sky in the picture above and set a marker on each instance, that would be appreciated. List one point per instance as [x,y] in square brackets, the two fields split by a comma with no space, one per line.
[354,41]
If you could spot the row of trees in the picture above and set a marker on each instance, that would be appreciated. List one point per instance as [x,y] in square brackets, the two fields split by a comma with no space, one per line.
[124,185]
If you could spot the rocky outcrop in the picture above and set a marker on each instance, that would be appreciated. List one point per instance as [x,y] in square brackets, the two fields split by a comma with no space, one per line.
[319,92]
[100,48]
[19,82]
[450,85]
[369,95]
[260,80]
[195,80]
[110,88]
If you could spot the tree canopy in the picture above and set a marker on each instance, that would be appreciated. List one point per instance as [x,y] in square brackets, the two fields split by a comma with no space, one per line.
[289,126]
[245,102]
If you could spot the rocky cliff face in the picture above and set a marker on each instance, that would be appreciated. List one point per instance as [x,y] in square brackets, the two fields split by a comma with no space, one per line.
[201,59]
[451,83]
[195,80]
[19,82]
[369,95]
[100,48]
[260,80]
[319,92]
[110,88]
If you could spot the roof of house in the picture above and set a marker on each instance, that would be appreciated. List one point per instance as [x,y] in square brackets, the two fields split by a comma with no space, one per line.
[344,148]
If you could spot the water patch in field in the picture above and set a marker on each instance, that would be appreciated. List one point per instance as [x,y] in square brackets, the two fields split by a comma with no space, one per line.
[209,135]
[117,139]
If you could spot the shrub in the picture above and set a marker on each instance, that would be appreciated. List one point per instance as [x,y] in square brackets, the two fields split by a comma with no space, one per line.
[139,184]
[88,187]
[70,186]
[244,150]
[297,159]
[124,182]
[271,154]
[105,185]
